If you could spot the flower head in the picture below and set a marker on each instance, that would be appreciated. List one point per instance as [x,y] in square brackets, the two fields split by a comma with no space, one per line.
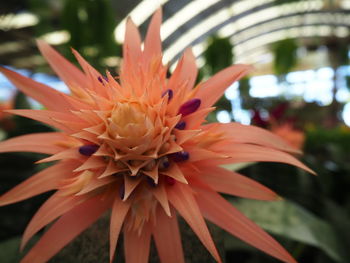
[139,146]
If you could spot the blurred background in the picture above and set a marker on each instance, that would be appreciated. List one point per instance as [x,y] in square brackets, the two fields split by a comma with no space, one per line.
[300,90]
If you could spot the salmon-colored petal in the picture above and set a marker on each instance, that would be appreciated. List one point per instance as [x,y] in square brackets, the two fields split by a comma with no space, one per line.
[69,73]
[136,246]
[167,238]
[50,98]
[211,90]
[239,133]
[53,208]
[216,209]
[181,197]
[67,228]
[71,153]
[38,142]
[92,162]
[199,154]
[241,153]
[119,212]
[161,195]
[132,46]
[153,45]
[45,116]
[185,72]
[228,182]
[41,182]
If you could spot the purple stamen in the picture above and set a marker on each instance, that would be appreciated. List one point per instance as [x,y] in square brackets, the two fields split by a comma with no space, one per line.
[101,79]
[181,125]
[151,182]
[189,107]
[164,163]
[170,180]
[88,149]
[170,94]
[122,191]
[180,156]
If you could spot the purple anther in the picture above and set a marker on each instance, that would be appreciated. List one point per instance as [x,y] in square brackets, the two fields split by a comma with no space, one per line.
[189,107]
[88,149]
[164,163]
[170,180]
[122,191]
[169,92]
[150,182]
[101,79]
[181,125]
[180,156]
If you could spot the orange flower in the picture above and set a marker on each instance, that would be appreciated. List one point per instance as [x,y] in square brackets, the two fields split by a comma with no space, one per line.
[139,146]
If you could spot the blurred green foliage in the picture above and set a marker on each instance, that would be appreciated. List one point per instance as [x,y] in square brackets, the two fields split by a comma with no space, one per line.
[285,56]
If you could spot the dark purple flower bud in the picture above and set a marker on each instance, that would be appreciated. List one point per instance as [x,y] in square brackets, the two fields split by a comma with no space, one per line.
[150,182]
[189,107]
[122,191]
[181,125]
[170,94]
[180,156]
[164,163]
[170,180]
[101,79]
[88,149]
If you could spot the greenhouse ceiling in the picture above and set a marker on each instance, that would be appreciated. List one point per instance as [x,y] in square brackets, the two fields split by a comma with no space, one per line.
[251,25]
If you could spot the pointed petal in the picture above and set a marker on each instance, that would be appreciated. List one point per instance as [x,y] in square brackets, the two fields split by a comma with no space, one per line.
[130,185]
[167,238]
[44,116]
[69,73]
[228,182]
[41,182]
[241,153]
[161,195]
[50,98]
[53,208]
[175,172]
[136,246]
[37,142]
[211,90]
[132,45]
[239,133]
[216,209]
[182,199]
[185,72]
[67,228]
[70,153]
[119,212]
[153,45]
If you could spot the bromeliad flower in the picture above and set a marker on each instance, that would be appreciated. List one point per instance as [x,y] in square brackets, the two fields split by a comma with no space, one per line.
[139,146]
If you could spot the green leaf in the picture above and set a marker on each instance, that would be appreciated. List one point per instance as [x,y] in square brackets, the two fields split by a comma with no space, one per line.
[9,250]
[292,221]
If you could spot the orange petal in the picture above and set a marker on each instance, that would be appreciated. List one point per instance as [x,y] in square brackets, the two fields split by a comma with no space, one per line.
[91,163]
[69,73]
[175,172]
[132,46]
[44,116]
[167,238]
[211,90]
[54,207]
[41,182]
[225,181]
[241,153]
[38,142]
[136,247]
[71,153]
[216,209]
[153,45]
[67,228]
[50,98]
[185,72]
[239,133]
[161,195]
[119,212]
[181,197]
